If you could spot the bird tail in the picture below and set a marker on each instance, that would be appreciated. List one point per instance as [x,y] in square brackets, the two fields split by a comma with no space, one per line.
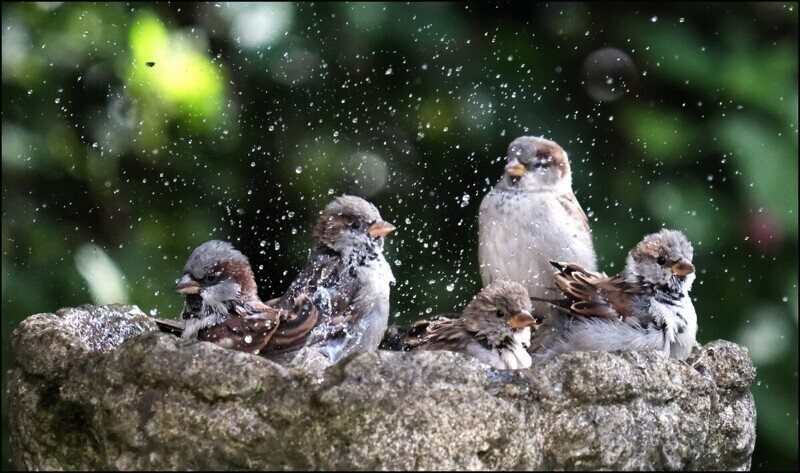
[173,327]
[394,339]
[404,338]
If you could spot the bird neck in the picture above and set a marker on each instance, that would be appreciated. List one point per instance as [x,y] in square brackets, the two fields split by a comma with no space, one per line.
[527,184]
[193,305]
[209,316]
[673,288]
[244,306]
[351,255]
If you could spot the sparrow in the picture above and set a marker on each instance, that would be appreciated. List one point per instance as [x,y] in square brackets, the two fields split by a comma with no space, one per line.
[222,306]
[495,328]
[347,278]
[531,217]
[647,305]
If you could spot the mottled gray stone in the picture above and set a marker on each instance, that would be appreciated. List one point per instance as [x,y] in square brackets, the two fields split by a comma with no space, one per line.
[101,388]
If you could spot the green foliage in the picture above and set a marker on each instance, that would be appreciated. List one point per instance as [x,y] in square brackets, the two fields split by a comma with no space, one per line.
[252,117]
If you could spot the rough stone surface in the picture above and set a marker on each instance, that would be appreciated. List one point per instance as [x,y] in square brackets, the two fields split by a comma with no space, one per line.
[101,388]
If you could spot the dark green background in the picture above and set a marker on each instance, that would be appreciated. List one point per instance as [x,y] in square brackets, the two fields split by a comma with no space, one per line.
[411,106]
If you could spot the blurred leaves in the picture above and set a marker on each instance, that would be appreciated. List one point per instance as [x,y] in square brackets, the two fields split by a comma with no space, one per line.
[665,136]
[692,209]
[769,162]
[182,78]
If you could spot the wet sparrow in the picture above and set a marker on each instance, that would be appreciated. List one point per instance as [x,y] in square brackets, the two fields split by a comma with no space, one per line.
[495,328]
[531,217]
[222,306]
[647,305]
[347,277]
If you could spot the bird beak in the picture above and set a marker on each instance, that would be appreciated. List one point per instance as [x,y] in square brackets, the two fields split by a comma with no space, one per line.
[187,285]
[682,268]
[380,229]
[521,319]
[515,168]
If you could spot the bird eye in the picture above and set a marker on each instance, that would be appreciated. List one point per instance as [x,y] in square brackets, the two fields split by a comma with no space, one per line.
[499,314]
[357,225]
[538,165]
[211,278]
[661,261]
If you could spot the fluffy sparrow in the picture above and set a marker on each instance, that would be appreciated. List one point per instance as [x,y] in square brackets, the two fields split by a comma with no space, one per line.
[531,217]
[495,328]
[347,278]
[647,305]
[222,306]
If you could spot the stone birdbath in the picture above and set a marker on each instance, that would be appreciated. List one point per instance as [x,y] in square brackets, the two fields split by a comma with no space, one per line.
[101,388]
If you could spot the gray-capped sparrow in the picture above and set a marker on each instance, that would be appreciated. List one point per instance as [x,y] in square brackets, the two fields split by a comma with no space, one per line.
[531,217]
[647,305]
[347,277]
[223,307]
[495,328]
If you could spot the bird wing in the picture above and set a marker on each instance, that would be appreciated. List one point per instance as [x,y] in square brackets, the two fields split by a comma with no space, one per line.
[593,294]
[574,210]
[248,329]
[330,286]
[440,334]
[296,325]
[262,329]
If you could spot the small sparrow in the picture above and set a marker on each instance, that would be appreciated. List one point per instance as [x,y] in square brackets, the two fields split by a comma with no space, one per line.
[495,328]
[531,217]
[347,278]
[647,305]
[223,307]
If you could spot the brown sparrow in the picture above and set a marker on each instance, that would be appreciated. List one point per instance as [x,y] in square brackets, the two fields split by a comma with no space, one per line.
[222,306]
[347,278]
[495,328]
[531,217]
[647,305]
